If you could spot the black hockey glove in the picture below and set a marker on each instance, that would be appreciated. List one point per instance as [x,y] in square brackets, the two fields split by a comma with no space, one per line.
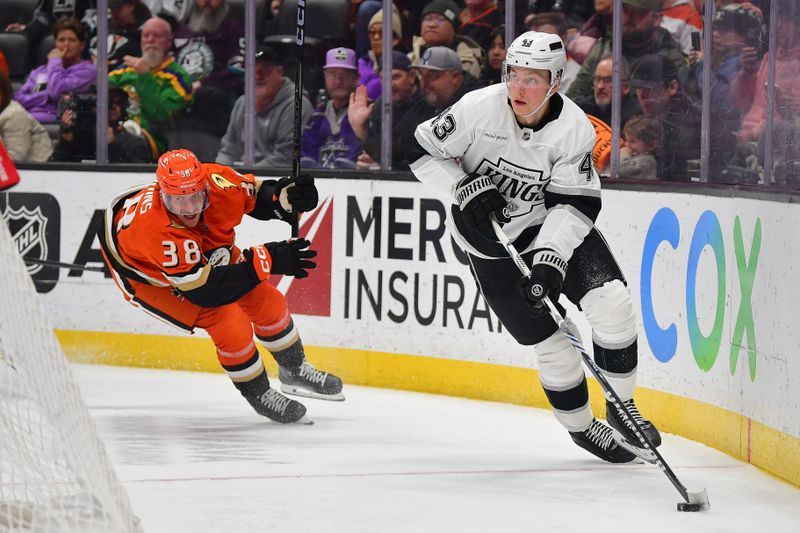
[291,258]
[547,276]
[294,193]
[478,198]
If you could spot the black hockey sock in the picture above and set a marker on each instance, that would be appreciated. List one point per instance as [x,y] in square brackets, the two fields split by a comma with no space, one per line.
[253,388]
[285,346]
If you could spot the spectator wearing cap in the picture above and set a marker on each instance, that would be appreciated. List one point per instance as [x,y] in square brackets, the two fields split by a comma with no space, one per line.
[438,27]
[66,71]
[367,119]
[366,10]
[641,35]
[328,139]
[660,96]
[124,31]
[370,63]
[479,19]
[274,121]
[441,81]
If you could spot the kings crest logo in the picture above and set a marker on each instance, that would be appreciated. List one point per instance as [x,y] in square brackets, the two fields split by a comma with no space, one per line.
[34,222]
[522,187]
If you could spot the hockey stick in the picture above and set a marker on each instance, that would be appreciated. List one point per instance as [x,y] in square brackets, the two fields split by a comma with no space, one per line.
[298,103]
[694,501]
[59,264]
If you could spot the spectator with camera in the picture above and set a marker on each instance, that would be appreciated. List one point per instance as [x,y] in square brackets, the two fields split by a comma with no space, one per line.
[23,137]
[65,71]
[274,123]
[156,85]
[126,142]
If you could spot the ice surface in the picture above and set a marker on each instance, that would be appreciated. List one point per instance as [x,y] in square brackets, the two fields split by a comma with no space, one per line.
[195,458]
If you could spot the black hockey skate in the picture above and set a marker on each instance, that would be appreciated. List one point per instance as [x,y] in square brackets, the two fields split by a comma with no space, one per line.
[598,439]
[624,434]
[307,381]
[279,408]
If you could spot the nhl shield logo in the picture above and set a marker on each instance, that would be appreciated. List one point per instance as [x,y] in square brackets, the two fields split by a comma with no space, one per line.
[34,220]
[28,229]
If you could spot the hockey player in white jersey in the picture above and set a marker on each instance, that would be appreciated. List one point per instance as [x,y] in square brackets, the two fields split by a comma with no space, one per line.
[521,152]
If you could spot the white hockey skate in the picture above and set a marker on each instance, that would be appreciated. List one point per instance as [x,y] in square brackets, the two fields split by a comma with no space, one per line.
[309,382]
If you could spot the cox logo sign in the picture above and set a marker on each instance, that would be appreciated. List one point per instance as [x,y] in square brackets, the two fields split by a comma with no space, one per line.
[665,227]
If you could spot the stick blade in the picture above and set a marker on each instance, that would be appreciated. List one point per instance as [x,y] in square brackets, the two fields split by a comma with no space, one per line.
[698,502]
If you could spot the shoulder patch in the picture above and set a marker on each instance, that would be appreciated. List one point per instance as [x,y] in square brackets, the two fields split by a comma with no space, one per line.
[221,182]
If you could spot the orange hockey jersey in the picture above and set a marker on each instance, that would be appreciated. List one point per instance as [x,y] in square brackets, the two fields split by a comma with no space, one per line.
[142,242]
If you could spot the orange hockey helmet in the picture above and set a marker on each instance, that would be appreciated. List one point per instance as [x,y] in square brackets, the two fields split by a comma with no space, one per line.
[179,172]
[182,182]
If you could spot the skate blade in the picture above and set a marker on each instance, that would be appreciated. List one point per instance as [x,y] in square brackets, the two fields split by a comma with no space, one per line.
[641,453]
[305,421]
[305,393]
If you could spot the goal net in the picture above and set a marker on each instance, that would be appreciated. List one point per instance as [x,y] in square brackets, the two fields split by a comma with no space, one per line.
[55,475]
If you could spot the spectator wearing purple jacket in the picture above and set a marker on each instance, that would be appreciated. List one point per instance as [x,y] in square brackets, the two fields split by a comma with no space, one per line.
[369,65]
[66,71]
[328,139]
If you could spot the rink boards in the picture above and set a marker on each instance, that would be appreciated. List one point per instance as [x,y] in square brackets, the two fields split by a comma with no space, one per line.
[392,303]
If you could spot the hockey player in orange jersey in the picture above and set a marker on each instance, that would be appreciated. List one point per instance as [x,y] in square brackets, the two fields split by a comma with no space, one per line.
[170,246]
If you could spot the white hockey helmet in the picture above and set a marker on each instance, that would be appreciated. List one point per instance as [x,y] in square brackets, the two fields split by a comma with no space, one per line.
[539,50]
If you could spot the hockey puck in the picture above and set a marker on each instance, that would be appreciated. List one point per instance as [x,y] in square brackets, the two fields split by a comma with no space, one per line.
[689,507]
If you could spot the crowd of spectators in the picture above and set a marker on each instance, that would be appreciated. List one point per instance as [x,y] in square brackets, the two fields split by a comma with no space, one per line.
[178,66]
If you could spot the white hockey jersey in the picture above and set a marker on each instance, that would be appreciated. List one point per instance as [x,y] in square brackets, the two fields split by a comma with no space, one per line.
[545,174]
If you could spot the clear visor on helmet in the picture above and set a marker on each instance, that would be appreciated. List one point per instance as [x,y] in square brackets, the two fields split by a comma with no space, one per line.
[527,78]
[186,204]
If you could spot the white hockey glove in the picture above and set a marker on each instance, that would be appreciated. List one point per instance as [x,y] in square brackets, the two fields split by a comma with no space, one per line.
[478,198]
